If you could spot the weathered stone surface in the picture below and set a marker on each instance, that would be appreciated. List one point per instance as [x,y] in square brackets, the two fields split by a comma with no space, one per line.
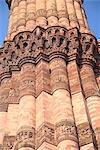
[45,134]
[25,138]
[84,134]
[49,78]
[8,142]
[65,130]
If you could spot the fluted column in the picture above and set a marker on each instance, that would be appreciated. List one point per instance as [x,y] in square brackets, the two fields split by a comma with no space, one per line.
[77,96]
[89,83]
[26,116]
[31,15]
[79,15]
[21,22]
[62,13]
[92,95]
[62,108]
[51,9]
[41,13]
[79,108]
[26,123]
[93,104]
[72,14]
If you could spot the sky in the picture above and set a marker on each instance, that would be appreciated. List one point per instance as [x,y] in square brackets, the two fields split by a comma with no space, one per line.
[92,8]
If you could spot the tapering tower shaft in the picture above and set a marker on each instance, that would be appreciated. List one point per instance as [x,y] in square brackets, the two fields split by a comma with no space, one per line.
[49,78]
[25,15]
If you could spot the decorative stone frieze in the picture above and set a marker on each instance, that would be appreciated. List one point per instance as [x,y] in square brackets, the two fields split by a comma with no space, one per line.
[89,49]
[84,134]
[65,130]
[73,44]
[25,138]
[97,133]
[8,143]
[45,44]
[9,93]
[45,133]
[27,82]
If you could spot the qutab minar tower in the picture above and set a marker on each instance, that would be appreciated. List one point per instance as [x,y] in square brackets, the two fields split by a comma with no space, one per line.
[49,78]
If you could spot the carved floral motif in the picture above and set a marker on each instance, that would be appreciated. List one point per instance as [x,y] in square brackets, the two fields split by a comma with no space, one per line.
[84,134]
[65,130]
[25,138]
[45,134]
[89,48]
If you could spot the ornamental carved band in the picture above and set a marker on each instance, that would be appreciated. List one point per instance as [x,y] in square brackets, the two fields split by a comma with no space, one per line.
[25,138]
[46,44]
[65,130]
[50,133]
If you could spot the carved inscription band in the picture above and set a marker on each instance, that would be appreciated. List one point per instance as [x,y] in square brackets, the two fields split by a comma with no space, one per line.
[47,132]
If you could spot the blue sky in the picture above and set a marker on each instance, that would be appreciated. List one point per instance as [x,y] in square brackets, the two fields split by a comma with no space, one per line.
[92,8]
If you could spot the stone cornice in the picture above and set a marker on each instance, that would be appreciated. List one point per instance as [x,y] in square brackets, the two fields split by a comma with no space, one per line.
[31,47]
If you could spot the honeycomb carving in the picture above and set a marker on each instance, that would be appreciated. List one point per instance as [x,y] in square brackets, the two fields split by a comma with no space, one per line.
[46,44]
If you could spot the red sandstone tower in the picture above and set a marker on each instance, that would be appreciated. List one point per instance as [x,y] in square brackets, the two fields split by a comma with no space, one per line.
[49,78]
